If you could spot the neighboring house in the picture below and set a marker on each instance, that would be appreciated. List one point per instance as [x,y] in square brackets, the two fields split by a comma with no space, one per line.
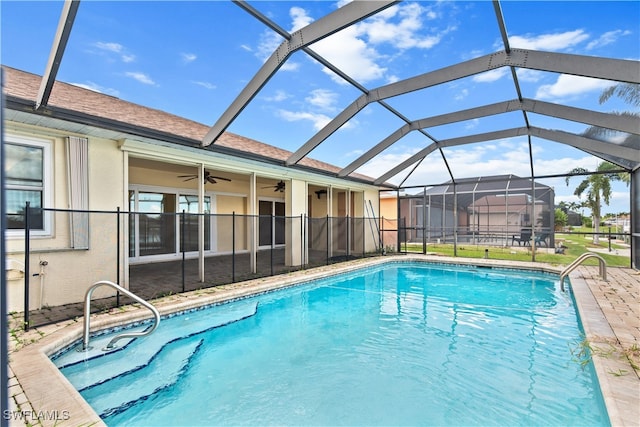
[485,209]
[86,151]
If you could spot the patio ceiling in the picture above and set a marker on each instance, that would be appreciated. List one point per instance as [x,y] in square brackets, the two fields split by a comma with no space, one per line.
[622,151]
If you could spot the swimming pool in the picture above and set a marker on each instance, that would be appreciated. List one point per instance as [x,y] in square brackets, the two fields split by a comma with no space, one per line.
[401,343]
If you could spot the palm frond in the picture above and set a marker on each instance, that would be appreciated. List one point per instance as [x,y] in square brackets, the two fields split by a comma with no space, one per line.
[628,92]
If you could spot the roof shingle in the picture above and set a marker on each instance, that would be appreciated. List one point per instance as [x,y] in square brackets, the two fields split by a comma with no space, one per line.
[23,85]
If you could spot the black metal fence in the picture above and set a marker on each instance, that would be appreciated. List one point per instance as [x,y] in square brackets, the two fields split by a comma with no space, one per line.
[63,252]
[54,255]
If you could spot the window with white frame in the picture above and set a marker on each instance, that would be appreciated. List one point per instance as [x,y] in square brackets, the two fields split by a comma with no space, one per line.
[28,179]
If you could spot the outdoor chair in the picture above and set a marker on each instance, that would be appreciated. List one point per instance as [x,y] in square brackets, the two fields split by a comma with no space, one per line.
[541,239]
[525,237]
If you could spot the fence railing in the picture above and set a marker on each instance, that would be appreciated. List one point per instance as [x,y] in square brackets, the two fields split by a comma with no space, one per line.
[156,254]
[54,254]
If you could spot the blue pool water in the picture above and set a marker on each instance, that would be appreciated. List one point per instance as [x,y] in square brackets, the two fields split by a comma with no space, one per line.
[398,344]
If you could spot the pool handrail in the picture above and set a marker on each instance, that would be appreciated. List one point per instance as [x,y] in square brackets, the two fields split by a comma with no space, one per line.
[87,316]
[577,261]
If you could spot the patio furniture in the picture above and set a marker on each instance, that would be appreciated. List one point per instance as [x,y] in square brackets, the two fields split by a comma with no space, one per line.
[541,239]
[525,237]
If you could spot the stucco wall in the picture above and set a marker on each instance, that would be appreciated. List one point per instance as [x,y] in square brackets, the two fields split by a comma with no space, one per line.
[64,273]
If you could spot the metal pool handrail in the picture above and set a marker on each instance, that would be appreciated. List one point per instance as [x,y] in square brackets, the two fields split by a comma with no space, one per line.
[87,315]
[577,261]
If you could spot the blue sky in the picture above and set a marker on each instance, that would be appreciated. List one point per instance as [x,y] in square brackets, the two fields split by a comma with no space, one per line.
[193,58]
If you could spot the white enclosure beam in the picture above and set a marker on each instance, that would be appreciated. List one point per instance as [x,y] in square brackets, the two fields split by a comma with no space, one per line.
[602,68]
[592,146]
[606,120]
[317,30]
[68,15]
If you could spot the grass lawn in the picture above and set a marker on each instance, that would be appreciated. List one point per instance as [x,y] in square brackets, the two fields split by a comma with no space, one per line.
[576,245]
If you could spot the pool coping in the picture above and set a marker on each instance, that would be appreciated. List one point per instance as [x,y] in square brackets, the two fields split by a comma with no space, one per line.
[46,397]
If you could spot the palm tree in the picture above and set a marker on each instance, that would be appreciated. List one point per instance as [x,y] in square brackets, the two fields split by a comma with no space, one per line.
[597,187]
[630,94]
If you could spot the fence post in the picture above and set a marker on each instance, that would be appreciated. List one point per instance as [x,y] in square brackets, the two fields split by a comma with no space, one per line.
[272,228]
[183,217]
[27,274]
[348,239]
[302,241]
[233,247]
[327,239]
[364,230]
[118,254]
[382,248]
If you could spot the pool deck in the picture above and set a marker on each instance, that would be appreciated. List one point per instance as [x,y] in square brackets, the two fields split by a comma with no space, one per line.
[610,312]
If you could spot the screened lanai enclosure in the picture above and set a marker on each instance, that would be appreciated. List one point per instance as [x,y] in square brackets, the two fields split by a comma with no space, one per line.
[403,94]
[492,211]
[514,93]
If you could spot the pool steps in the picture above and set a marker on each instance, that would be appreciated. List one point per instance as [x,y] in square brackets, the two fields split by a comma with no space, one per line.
[141,350]
[161,372]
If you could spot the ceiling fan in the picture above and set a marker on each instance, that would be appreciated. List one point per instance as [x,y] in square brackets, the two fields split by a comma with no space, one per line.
[207,177]
[279,187]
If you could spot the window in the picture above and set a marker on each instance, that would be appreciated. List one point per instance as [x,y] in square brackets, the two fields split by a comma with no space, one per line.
[27,170]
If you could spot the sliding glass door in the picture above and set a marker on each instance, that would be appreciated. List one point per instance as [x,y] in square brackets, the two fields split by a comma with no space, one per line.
[271,223]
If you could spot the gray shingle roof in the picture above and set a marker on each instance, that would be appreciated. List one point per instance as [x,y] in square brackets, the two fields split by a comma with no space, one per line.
[23,85]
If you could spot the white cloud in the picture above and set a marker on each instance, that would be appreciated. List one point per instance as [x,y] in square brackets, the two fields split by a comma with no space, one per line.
[461,95]
[111,47]
[353,49]
[141,77]
[351,54]
[607,39]
[318,120]
[403,34]
[553,42]
[205,85]
[97,88]
[116,48]
[323,99]
[570,86]
[491,75]
[472,124]
[392,79]
[188,57]
[299,18]
[527,75]
[385,161]
[482,159]
[279,96]
[128,58]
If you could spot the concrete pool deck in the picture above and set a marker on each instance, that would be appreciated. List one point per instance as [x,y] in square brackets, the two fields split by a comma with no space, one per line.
[610,313]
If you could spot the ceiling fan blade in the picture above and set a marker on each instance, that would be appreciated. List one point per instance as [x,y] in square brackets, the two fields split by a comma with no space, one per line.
[221,178]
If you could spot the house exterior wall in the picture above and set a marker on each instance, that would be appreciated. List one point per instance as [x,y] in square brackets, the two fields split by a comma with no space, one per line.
[117,167]
[52,257]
